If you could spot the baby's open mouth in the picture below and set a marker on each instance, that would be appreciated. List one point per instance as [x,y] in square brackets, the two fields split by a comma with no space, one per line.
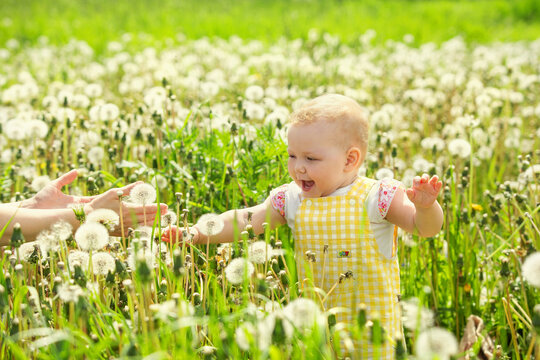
[307,185]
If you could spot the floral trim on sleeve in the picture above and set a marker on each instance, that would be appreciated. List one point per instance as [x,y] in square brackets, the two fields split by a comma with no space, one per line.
[278,199]
[387,190]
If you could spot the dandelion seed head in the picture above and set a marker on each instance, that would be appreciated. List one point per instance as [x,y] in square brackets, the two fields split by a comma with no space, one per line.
[436,343]
[168,219]
[165,310]
[431,143]
[460,148]
[144,233]
[70,293]
[484,153]
[40,182]
[48,241]
[531,269]
[234,272]
[210,224]
[303,314]
[271,306]
[102,263]
[28,249]
[414,316]
[254,93]
[260,252]
[207,350]
[141,255]
[143,194]
[159,181]
[92,236]
[78,257]
[15,129]
[95,155]
[254,111]
[244,335]
[532,174]
[421,165]
[106,217]
[109,112]
[62,229]
[384,173]
[37,129]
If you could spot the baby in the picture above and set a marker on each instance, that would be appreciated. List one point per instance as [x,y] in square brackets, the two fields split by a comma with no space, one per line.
[346,223]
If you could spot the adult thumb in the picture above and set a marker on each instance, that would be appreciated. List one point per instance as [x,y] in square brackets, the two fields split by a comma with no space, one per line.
[65,179]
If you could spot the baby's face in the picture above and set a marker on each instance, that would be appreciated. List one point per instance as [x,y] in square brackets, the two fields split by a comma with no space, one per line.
[317,160]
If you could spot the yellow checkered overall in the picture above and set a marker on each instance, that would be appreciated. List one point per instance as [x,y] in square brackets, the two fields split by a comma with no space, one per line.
[341,225]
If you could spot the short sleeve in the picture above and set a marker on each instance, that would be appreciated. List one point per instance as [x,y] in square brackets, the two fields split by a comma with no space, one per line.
[277,196]
[387,190]
[380,197]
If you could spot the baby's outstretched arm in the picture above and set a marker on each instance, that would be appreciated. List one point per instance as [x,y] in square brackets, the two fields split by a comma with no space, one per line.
[259,214]
[417,208]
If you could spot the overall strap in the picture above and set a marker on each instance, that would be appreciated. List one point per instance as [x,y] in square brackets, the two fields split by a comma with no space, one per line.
[361,187]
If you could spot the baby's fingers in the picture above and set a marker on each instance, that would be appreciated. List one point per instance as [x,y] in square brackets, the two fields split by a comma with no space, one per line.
[171,234]
[436,183]
[411,194]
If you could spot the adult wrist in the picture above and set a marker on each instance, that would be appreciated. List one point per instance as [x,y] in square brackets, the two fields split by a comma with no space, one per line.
[28,203]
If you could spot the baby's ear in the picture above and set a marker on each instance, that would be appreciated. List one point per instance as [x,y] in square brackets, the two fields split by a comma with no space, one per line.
[354,158]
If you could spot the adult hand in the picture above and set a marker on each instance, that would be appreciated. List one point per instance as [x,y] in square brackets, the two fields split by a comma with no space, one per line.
[424,191]
[52,197]
[133,215]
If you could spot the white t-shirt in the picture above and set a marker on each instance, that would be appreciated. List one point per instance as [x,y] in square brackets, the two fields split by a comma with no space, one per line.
[381,193]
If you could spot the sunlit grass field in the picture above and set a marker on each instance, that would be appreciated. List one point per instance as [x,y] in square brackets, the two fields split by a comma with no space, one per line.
[98,22]
[202,117]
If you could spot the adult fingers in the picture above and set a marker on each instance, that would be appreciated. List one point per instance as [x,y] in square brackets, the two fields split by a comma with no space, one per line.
[148,209]
[126,189]
[87,199]
[113,193]
[65,179]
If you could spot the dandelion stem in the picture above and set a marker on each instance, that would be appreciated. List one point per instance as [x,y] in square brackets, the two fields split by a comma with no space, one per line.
[144,213]
[523,293]
[325,251]
[124,244]
[531,347]
[523,317]
[511,325]
[331,290]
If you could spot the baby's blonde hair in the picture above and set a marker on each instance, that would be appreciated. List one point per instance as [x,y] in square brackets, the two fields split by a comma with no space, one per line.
[340,110]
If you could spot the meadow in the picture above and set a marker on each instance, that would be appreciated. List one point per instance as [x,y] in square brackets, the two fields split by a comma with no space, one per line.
[203,120]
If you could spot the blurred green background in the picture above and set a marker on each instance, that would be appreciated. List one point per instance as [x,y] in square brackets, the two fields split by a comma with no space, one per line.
[99,21]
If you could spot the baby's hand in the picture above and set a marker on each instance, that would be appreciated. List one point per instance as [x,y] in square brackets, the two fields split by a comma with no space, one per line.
[424,191]
[173,233]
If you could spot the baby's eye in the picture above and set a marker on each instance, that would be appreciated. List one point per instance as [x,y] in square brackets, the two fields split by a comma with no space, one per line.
[309,158]
[292,156]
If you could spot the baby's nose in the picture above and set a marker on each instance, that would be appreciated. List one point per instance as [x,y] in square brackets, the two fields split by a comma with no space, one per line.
[300,168]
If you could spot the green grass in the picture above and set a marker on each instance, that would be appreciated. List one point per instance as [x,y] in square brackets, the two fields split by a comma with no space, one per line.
[98,22]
